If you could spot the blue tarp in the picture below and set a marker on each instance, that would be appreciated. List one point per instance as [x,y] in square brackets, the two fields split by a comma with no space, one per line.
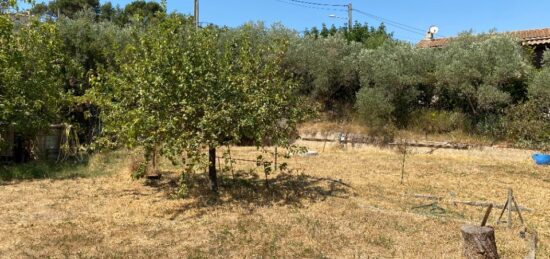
[541,159]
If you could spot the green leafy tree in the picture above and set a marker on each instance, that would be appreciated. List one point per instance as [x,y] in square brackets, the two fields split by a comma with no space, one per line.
[327,70]
[68,8]
[31,91]
[180,90]
[395,79]
[482,75]
[142,8]
[370,37]
[87,46]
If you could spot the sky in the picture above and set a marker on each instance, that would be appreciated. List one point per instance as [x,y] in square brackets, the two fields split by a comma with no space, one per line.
[412,17]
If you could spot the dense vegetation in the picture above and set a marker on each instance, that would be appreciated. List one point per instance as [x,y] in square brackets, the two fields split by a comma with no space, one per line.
[138,76]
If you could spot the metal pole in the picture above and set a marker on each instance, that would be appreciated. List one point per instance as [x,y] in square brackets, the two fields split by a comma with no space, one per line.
[197,23]
[350,16]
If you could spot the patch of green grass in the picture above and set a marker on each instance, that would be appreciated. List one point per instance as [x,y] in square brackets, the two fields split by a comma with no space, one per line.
[96,165]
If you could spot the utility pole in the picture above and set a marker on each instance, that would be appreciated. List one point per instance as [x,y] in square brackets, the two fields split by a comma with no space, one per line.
[197,21]
[350,16]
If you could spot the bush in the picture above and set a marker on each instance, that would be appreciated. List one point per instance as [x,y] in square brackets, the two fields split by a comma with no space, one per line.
[434,121]
[529,124]
[138,168]
[374,107]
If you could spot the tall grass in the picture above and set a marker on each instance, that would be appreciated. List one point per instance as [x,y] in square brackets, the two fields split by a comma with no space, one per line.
[92,166]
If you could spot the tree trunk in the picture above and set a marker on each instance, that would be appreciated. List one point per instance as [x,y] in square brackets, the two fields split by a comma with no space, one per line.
[212,173]
[479,242]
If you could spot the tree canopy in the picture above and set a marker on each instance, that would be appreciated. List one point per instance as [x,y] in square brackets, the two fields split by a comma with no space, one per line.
[179,90]
[31,91]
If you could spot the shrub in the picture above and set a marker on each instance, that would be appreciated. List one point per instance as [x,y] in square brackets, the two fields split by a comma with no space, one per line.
[374,107]
[138,168]
[434,121]
[529,124]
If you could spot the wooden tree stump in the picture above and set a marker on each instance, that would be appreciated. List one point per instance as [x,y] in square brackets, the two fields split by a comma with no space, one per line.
[479,242]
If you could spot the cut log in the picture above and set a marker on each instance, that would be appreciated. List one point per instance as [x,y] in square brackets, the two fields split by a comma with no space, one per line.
[479,242]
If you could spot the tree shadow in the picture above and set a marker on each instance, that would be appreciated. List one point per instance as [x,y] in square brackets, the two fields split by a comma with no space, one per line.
[248,190]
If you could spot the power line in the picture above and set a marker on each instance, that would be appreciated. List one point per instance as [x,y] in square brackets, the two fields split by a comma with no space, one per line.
[389,21]
[395,24]
[295,3]
[320,4]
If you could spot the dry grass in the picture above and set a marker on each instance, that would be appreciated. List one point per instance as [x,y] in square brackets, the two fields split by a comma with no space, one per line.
[308,213]
[323,129]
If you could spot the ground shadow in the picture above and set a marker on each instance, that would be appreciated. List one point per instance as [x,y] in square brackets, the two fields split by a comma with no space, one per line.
[248,190]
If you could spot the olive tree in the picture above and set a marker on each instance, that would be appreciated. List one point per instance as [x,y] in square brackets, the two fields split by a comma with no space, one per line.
[180,90]
[395,79]
[482,75]
[327,70]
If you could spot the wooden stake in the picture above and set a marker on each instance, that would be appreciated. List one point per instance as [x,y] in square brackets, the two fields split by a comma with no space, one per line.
[519,212]
[325,144]
[502,212]
[532,246]
[510,200]
[276,156]
[486,217]
[231,162]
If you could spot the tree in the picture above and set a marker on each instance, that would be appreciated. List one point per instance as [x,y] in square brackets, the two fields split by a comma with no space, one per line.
[31,91]
[107,12]
[370,37]
[395,79]
[143,9]
[180,90]
[482,75]
[87,46]
[327,70]
[68,8]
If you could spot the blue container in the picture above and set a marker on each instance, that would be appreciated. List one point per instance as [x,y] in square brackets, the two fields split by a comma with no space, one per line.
[541,159]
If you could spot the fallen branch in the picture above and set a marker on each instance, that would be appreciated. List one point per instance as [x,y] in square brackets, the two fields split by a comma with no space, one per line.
[425,205]
[487,204]
[428,196]
[470,203]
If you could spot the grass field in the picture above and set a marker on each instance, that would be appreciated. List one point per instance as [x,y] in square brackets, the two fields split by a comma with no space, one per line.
[341,204]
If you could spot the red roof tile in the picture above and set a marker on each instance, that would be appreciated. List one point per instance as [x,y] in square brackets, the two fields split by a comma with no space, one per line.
[527,37]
